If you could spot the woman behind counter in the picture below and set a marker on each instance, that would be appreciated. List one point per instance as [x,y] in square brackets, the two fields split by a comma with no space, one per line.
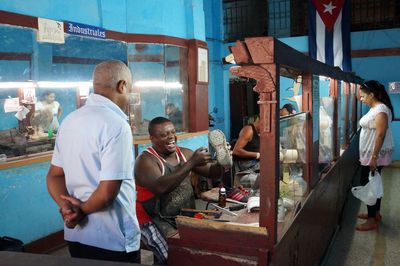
[376,142]
[49,110]
[247,147]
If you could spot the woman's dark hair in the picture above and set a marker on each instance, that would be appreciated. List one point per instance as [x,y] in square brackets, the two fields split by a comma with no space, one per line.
[291,109]
[373,86]
[46,93]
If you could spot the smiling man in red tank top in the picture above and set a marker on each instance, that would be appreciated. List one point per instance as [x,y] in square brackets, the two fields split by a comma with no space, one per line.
[162,174]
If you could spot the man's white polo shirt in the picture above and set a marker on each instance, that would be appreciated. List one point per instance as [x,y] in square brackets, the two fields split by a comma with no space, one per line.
[94,143]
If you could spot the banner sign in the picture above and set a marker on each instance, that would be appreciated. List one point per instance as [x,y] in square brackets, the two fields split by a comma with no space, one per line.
[85,30]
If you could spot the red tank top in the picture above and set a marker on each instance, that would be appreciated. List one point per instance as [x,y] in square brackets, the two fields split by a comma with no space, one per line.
[144,194]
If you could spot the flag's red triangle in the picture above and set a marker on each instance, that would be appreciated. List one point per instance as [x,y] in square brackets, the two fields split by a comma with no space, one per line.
[328,10]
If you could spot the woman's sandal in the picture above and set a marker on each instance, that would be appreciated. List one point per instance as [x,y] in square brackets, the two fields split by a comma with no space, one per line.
[367,227]
[364,216]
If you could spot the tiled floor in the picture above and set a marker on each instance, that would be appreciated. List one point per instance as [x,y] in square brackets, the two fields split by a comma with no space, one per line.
[381,247]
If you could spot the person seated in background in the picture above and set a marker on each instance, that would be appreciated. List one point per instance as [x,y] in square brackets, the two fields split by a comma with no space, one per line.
[162,174]
[287,109]
[246,150]
[175,115]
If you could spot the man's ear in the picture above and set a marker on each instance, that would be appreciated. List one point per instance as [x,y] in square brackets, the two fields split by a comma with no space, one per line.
[121,86]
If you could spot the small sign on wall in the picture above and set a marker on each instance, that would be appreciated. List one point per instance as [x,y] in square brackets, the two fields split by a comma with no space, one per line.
[394,87]
[50,31]
[85,30]
[11,105]
[202,65]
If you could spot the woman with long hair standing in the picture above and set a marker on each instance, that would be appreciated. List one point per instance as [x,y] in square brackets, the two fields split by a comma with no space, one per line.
[376,143]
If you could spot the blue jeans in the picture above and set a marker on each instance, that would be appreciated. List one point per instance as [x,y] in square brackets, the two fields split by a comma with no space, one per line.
[250,165]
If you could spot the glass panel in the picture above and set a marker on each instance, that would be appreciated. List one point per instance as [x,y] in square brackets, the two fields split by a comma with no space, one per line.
[16,45]
[177,89]
[160,85]
[326,109]
[293,187]
[55,80]
[41,83]
[290,93]
[342,117]
[351,111]
[359,106]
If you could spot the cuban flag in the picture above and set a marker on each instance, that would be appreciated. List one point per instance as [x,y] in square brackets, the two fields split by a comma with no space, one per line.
[329,32]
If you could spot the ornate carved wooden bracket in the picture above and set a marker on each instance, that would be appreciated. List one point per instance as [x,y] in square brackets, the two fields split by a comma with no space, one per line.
[265,76]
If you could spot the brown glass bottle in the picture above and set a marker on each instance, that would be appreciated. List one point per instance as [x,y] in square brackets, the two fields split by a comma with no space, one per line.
[222,197]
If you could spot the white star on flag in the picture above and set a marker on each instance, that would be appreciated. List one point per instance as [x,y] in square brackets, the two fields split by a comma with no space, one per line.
[329,8]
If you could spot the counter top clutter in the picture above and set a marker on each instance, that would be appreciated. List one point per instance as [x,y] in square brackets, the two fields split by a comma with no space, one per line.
[245,210]
[14,143]
[234,212]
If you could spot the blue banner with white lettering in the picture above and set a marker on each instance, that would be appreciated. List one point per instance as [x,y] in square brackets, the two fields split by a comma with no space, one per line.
[85,30]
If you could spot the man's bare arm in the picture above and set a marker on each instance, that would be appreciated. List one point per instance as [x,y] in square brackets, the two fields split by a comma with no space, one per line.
[148,172]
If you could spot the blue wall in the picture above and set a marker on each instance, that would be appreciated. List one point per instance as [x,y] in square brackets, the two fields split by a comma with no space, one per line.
[27,211]
[218,91]
[178,18]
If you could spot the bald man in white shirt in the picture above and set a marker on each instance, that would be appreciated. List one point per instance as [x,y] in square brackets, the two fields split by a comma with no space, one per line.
[91,172]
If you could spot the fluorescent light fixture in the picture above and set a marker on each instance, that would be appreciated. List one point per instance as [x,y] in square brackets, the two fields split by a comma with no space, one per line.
[64,84]
[45,84]
[158,84]
[17,85]
[324,78]
[84,91]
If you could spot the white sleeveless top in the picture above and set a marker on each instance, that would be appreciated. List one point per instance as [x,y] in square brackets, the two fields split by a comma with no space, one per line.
[54,111]
[368,134]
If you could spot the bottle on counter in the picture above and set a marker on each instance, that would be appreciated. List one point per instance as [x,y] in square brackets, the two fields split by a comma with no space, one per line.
[50,133]
[222,197]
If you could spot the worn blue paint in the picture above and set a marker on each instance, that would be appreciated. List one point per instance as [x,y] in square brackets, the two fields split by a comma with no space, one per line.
[27,210]
[218,87]
[178,18]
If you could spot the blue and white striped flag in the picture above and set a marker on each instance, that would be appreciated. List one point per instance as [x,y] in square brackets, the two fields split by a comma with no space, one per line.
[329,32]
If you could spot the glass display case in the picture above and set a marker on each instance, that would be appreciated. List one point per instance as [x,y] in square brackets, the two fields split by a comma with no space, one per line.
[41,83]
[326,109]
[292,157]
[342,114]
[160,85]
[359,106]
[299,205]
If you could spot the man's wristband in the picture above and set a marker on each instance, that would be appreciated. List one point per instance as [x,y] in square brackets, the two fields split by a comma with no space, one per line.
[258,156]
[375,156]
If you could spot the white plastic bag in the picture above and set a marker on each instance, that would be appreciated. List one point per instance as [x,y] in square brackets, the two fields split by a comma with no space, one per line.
[372,191]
